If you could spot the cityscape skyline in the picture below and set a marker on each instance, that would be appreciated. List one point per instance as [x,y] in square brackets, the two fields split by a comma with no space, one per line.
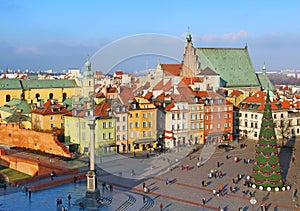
[60,35]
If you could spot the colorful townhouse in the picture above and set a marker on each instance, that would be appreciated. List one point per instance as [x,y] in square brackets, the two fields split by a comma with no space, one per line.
[77,129]
[218,117]
[142,121]
[250,112]
[48,116]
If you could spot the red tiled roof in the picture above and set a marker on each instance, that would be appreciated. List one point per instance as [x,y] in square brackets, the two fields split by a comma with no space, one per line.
[258,97]
[148,96]
[50,108]
[119,73]
[236,93]
[164,87]
[171,69]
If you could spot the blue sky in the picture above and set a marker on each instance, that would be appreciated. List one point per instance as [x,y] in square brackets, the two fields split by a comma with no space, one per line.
[60,35]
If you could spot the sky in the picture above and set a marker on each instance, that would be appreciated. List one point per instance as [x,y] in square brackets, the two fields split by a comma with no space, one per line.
[59,35]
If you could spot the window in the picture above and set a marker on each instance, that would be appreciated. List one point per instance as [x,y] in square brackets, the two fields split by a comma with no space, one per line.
[104,124]
[137,124]
[150,114]
[52,125]
[144,115]
[246,124]
[124,118]
[118,138]
[104,136]
[144,134]
[130,125]
[137,134]
[7,98]
[117,109]
[110,135]
[136,115]
[51,117]
[118,128]
[211,126]
[149,133]
[206,117]
[275,116]
[201,125]
[144,124]
[83,125]
[173,116]
[246,115]
[124,127]
[228,115]
[211,117]
[131,134]
[206,127]
[124,137]
[130,115]
[118,119]
[281,115]
[149,124]
[218,125]
[110,124]
[225,124]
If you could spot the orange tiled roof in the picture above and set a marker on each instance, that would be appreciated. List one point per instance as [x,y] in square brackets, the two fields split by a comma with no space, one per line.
[236,93]
[171,69]
[49,108]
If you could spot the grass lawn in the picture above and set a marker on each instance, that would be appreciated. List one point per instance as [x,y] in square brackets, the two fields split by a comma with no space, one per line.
[13,174]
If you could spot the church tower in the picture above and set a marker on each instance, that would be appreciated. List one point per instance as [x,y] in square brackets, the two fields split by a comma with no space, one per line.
[190,64]
[88,81]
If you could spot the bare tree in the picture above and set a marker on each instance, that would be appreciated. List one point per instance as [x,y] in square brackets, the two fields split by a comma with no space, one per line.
[283,129]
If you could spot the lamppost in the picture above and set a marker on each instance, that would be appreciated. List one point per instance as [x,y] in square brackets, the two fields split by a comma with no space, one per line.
[253,201]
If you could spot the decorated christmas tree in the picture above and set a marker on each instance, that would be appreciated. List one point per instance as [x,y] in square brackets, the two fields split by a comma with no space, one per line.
[266,173]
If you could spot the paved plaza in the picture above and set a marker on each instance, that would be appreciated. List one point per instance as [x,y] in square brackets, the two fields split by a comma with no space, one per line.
[184,190]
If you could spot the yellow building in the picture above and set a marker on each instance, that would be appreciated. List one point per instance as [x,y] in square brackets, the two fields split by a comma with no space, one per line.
[77,129]
[142,133]
[37,91]
[48,116]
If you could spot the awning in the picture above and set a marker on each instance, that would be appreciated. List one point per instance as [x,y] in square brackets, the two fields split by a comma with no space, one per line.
[143,141]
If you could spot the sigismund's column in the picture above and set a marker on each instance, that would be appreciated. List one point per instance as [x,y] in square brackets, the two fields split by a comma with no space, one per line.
[92,193]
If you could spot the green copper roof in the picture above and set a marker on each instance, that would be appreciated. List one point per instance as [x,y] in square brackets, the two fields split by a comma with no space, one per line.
[6,83]
[232,64]
[265,81]
[40,84]
[16,105]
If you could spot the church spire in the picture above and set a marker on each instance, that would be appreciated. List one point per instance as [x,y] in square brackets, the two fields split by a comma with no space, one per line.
[264,69]
[188,36]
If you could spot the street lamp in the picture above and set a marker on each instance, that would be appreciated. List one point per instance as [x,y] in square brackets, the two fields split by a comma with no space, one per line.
[253,201]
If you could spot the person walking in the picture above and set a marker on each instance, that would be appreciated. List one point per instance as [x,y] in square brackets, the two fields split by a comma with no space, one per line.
[221,189]
[204,200]
[167,180]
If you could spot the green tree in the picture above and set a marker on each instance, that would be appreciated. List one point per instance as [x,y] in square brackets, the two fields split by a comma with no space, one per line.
[267,169]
